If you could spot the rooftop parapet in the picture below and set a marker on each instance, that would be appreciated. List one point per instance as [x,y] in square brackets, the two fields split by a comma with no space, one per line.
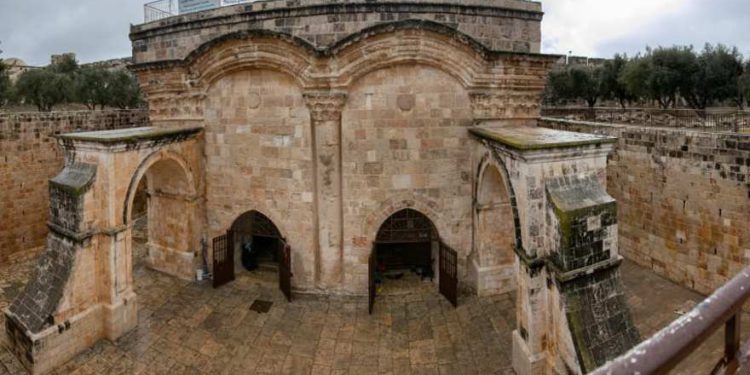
[500,25]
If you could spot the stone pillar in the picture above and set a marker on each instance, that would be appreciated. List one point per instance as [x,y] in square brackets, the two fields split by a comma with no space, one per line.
[120,308]
[529,348]
[174,252]
[325,114]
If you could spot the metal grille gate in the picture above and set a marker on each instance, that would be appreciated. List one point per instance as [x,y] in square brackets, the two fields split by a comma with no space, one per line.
[371,266]
[223,259]
[285,269]
[449,273]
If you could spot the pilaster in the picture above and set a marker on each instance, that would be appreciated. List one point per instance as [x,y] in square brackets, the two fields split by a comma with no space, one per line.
[325,119]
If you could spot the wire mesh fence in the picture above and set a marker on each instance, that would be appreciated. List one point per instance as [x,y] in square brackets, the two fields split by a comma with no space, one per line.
[710,120]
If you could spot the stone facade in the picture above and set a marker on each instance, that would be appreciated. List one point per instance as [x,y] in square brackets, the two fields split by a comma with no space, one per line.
[329,140]
[30,157]
[683,197]
[327,136]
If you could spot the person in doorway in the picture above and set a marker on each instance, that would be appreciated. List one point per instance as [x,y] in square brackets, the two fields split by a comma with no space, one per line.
[379,272]
[249,258]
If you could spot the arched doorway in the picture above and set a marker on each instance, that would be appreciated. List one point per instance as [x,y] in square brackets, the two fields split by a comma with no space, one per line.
[253,243]
[161,210]
[493,259]
[408,246]
[256,243]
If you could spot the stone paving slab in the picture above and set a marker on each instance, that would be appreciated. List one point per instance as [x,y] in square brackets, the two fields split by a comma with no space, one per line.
[188,328]
[655,302]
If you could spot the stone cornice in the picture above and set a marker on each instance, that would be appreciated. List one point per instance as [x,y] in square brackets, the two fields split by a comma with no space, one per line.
[126,140]
[333,50]
[536,263]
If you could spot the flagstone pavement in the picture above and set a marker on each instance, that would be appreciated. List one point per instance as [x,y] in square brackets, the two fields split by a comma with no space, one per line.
[191,328]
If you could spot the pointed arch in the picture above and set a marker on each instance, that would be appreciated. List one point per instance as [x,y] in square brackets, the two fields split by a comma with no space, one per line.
[179,170]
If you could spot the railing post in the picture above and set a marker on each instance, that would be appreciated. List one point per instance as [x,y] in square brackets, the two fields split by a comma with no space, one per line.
[732,343]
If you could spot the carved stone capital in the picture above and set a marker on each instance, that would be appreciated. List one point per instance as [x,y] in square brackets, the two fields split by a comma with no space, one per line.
[488,104]
[325,105]
[500,104]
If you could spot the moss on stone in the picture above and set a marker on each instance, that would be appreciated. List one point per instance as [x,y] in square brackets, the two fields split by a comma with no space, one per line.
[534,138]
[130,136]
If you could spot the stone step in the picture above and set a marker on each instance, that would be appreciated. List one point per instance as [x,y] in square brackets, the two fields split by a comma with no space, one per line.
[268,267]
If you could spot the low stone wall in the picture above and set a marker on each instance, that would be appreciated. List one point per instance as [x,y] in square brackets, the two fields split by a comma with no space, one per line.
[684,199]
[29,157]
[672,118]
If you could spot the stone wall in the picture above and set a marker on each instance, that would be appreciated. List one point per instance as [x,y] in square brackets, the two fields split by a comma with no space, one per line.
[502,25]
[684,199]
[259,157]
[405,145]
[29,157]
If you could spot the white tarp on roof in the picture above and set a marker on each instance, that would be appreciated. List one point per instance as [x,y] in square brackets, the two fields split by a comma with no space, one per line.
[188,6]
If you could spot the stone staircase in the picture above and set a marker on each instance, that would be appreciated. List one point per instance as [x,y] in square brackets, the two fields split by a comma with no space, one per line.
[8,363]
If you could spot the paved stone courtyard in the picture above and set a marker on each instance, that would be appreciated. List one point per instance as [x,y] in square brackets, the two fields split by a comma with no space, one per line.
[188,328]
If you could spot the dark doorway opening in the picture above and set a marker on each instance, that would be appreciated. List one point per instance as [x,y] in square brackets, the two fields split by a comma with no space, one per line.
[261,254]
[396,259]
[406,254]
[255,244]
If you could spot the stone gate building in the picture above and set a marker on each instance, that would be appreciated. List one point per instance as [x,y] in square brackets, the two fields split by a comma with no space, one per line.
[336,128]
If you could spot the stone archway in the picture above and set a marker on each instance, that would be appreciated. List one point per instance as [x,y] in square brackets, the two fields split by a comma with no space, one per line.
[173,238]
[407,241]
[407,251]
[493,259]
[83,290]
[257,230]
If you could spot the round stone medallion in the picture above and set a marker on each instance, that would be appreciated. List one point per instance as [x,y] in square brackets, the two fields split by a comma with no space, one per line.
[406,102]
[253,100]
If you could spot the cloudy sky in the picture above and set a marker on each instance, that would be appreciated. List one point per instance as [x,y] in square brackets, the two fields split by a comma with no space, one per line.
[98,29]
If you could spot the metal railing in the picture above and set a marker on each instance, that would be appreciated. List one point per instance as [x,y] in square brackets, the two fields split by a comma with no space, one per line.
[733,121]
[160,9]
[670,346]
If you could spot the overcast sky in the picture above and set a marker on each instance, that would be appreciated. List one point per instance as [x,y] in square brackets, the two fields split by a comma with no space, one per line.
[98,29]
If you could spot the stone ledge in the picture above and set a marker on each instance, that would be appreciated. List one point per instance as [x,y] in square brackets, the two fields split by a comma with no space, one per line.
[536,138]
[532,262]
[75,179]
[130,136]
[563,277]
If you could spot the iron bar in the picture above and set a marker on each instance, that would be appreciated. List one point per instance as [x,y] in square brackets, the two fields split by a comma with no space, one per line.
[732,343]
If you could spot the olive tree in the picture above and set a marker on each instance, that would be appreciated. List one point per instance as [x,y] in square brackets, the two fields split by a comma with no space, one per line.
[124,91]
[612,85]
[44,88]
[575,82]
[715,79]
[92,87]
[743,86]
[5,84]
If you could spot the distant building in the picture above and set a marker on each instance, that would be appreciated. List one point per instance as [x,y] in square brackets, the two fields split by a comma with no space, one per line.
[584,60]
[16,67]
[112,64]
